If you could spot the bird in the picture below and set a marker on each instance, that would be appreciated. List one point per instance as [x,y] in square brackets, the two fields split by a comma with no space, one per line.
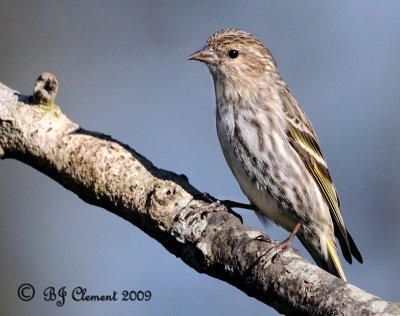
[272,148]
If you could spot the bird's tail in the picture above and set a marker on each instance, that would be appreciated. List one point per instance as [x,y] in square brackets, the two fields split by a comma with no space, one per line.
[333,261]
[326,255]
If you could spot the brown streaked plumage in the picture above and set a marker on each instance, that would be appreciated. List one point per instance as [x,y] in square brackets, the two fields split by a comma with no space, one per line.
[271,147]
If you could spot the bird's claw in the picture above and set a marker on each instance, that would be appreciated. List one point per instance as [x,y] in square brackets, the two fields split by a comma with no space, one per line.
[213,202]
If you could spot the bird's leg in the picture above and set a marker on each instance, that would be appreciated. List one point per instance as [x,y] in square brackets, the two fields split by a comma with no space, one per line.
[206,197]
[288,241]
[239,205]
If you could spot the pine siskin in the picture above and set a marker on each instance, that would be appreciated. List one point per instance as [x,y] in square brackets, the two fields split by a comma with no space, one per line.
[271,147]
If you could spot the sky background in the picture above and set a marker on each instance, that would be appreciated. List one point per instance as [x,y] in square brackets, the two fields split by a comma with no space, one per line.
[122,71]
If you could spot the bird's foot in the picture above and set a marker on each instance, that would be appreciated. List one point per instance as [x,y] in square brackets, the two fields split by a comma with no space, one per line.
[282,246]
[206,197]
[210,207]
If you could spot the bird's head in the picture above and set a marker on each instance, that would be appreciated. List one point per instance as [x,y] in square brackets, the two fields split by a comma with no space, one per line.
[237,57]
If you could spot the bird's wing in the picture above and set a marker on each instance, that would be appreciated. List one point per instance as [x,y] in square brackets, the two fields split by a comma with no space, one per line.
[303,139]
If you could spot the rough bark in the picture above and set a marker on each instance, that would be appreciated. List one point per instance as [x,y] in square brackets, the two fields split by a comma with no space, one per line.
[109,174]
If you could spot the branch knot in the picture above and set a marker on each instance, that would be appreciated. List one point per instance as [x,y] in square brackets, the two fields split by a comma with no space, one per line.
[45,90]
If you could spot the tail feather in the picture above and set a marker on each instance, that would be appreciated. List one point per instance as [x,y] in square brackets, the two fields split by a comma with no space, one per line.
[354,250]
[348,246]
[333,259]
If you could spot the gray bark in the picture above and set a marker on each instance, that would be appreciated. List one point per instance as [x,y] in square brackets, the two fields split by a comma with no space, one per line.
[109,174]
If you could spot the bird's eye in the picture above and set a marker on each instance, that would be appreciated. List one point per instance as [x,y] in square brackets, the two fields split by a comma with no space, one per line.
[233,53]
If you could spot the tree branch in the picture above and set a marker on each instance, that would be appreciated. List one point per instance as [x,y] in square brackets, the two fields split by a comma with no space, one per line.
[109,174]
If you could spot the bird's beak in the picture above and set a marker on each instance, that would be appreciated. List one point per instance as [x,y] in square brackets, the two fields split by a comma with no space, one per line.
[204,56]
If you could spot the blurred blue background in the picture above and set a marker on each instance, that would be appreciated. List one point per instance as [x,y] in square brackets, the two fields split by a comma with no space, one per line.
[122,71]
